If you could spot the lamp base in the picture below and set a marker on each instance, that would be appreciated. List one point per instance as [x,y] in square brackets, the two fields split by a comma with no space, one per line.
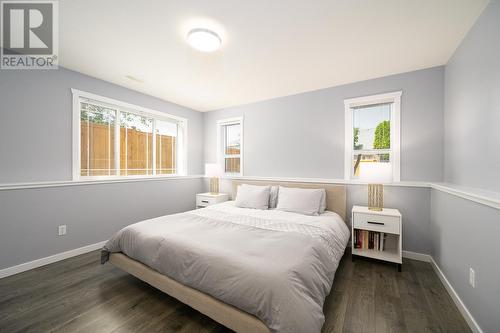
[214,185]
[375,197]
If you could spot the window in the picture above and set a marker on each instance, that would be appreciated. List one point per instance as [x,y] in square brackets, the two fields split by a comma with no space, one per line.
[372,134]
[112,138]
[230,145]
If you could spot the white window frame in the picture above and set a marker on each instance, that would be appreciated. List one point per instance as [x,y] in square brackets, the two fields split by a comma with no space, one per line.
[395,99]
[119,106]
[221,155]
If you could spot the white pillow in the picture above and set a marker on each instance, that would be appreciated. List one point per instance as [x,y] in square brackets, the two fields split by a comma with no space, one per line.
[300,200]
[273,196]
[250,196]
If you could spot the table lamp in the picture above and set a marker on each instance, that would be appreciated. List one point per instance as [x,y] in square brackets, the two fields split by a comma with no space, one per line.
[214,171]
[375,174]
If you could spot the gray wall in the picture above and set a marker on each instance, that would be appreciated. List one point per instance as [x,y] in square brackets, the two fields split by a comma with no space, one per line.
[29,218]
[303,135]
[472,106]
[465,233]
[35,145]
[35,126]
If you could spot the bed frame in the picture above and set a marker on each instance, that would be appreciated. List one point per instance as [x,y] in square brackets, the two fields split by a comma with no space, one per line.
[225,314]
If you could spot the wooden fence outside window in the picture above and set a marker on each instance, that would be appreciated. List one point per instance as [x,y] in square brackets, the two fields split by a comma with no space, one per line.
[136,157]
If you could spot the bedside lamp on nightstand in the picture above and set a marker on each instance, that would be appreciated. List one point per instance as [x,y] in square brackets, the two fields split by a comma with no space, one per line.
[214,171]
[375,174]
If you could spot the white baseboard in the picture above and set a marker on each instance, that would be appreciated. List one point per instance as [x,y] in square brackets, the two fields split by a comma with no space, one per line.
[49,260]
[458,302]
[453,294]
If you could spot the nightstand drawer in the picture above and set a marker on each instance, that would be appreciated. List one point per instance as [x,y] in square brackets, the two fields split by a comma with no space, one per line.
[203,201]
[380,223]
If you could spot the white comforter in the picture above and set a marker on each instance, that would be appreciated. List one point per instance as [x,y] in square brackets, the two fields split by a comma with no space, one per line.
[276,265]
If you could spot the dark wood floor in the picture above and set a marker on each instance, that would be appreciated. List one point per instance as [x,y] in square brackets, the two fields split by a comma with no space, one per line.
[80,295]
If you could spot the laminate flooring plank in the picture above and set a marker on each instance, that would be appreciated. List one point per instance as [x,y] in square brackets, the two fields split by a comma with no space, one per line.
[389,316]
[336,307]
[418,317]
[439,302]
[360,312]
[80,295]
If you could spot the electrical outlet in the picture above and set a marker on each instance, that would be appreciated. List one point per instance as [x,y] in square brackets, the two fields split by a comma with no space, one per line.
[472,277]
[62,230]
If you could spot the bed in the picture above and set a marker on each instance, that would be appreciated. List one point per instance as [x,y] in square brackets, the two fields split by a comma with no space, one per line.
[250,270]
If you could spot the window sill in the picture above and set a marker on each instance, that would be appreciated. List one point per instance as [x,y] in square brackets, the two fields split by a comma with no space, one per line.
[106,178]
[94,181]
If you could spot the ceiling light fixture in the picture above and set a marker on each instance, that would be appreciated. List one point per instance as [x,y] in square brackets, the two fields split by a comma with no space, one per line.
[204,40]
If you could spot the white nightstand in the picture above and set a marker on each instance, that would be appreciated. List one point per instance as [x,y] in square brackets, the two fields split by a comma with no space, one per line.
[207,199]
[377,234]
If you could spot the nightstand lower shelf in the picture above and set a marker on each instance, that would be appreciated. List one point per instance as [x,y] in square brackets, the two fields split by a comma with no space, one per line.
[380,255]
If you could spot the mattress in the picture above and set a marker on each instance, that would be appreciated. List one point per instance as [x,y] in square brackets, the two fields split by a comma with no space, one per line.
[275,265]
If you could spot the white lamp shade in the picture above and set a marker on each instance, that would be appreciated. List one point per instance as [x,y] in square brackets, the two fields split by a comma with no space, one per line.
[375,173]
[213,170]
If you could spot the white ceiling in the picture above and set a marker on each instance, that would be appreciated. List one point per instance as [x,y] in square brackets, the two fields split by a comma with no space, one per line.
[270,48]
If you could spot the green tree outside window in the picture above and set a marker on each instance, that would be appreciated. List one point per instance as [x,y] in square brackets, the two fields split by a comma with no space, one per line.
[382,138]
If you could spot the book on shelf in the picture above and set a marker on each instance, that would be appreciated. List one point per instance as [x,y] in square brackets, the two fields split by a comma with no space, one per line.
[369,240]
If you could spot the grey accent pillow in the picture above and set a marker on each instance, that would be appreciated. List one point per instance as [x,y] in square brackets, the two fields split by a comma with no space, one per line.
[322,205]
[251,196]
[273,196]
